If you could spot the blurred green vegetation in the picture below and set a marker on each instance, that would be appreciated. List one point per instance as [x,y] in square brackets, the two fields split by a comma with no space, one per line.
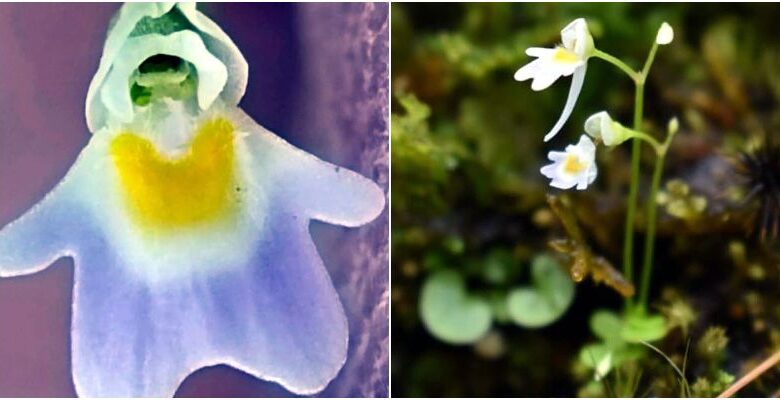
[470,216]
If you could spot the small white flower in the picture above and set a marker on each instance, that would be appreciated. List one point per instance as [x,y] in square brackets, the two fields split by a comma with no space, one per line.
[570,58]
[601,126]
[574,167]
[665,34]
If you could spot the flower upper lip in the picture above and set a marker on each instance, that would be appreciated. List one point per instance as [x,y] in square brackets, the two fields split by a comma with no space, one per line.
[212,73]
[577,38]
[217,43]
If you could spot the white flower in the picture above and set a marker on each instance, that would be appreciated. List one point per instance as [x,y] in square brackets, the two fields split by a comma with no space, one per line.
[568,59]
[574,167]
[665,34]
[601,126]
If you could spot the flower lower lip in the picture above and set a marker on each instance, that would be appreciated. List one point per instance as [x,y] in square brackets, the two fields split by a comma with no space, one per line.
[564,56]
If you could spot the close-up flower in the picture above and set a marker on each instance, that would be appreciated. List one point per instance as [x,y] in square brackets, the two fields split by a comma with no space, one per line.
[575,167]
[569,58]
[188,222]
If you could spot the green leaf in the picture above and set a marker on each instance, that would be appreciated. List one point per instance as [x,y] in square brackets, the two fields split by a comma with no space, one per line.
[549,296]
[528,308]
[449,313]
[606,325]
[641,327]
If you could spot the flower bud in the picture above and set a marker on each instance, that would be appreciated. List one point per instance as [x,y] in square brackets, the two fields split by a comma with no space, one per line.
[601,126]
[673,127]
[665,34]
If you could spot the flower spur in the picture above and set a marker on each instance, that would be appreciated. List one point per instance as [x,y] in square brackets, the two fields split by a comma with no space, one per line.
[188,222]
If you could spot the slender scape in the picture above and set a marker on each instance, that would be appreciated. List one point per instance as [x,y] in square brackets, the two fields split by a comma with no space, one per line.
[639,79]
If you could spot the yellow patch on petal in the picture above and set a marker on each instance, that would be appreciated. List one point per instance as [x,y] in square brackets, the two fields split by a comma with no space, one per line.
[563,56]
[195,188]
[572,165]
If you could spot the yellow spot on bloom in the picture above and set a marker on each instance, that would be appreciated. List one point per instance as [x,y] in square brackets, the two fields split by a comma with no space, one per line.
[564,56]
[168,193]
[572,165]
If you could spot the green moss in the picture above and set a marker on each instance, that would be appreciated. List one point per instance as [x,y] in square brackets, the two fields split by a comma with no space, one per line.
[712,344]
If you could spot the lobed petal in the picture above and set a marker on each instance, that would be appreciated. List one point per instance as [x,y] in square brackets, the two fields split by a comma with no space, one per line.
[539,52]
[275,316]
[30,243]
[152,306]
[556,155]
[528,71]
[310,186]
[545,77]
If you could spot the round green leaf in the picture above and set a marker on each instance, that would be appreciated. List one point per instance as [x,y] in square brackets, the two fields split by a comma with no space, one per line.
[550,294]
[530,309]
[640,327]
[449,313]
[552,281]
[606,325]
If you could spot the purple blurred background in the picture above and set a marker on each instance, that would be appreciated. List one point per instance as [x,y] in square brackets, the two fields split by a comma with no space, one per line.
[318,77]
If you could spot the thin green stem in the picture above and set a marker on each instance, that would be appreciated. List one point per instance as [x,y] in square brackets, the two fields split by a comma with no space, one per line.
[649,61]
[628,237]
[652,208]
[616,62]
[652,201]
[649,139]
[639,79]
[656,181]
